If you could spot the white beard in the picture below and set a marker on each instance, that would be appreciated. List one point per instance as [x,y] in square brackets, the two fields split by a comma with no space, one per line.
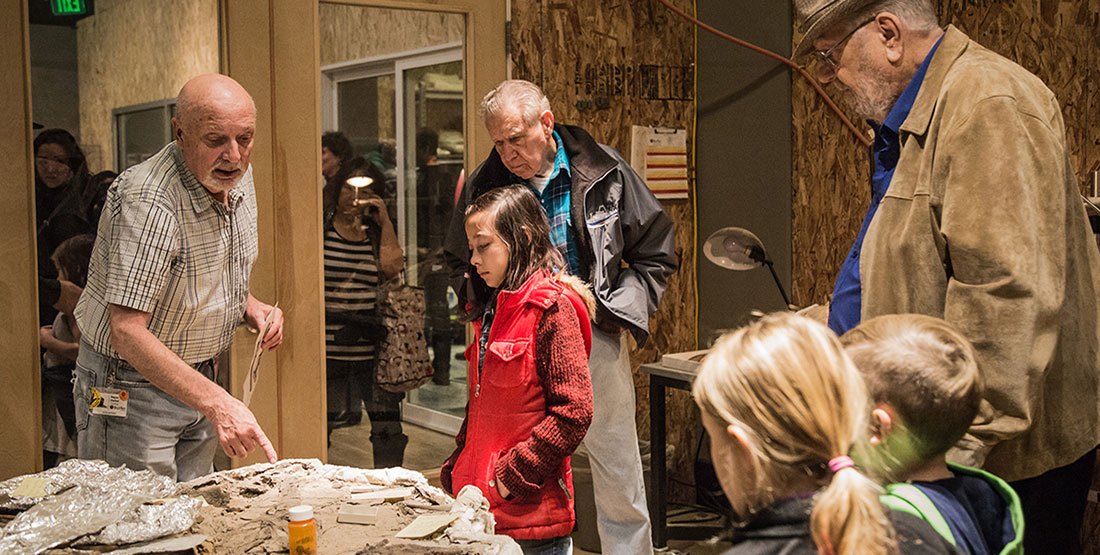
[872,96]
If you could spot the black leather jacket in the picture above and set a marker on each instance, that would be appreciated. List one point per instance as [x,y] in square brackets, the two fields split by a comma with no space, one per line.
[615,220]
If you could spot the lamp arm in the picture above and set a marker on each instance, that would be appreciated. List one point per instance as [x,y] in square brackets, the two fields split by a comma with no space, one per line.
[786,300]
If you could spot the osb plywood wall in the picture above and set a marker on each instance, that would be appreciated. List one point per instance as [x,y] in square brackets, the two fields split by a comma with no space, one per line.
[1055,39]
[357,32]
[606,66]
[135,51]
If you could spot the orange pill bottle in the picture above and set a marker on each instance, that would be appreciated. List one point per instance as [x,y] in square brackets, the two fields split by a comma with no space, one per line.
[302,531]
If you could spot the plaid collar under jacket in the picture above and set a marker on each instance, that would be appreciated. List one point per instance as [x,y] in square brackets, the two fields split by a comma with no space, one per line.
[166,247]
[555,202]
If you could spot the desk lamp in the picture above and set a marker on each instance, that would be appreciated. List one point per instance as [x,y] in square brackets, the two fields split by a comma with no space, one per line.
[736,248]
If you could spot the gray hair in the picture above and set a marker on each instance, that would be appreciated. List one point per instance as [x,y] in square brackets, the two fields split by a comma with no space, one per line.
[515,94]
[919,15]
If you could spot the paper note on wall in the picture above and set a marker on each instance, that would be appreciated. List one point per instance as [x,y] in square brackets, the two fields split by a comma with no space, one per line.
[659,156]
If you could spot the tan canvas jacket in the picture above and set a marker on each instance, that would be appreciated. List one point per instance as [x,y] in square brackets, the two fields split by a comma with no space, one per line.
[983,226]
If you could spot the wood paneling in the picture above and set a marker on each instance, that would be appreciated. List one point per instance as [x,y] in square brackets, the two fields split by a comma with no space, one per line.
[136,51]
[355,32]
[270,45]
[606,66]
[21,433]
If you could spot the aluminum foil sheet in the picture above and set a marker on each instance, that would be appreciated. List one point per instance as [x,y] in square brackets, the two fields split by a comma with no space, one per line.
[150,521]
[92,496]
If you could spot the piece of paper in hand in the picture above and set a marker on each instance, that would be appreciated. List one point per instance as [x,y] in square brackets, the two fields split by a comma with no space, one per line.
[254,368]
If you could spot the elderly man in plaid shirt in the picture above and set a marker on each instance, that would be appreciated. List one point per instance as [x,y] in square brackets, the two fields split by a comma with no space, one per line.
[167,286]
[614,234]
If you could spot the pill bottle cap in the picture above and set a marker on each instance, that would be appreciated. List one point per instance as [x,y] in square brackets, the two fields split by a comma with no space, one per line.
[300,513]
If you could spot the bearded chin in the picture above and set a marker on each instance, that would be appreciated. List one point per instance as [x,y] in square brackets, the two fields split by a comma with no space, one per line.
[216,185]
[865,107]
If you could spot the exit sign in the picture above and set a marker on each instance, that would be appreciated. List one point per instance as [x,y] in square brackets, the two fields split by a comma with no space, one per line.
[69,7]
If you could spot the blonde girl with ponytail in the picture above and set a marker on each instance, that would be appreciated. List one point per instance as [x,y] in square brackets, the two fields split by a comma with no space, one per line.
[785,409]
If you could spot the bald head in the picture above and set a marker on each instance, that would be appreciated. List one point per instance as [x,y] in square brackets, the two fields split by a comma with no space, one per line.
[210,93]
[214,124]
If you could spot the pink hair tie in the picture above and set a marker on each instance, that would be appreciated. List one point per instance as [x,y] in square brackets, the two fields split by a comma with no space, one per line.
[837,464]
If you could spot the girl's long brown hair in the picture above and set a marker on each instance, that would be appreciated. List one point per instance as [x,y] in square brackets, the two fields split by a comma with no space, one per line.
[519,220]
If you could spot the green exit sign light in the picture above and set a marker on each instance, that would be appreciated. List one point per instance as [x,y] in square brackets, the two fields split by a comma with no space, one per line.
[69,7]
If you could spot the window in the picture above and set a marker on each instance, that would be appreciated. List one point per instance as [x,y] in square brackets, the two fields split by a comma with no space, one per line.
[141,131]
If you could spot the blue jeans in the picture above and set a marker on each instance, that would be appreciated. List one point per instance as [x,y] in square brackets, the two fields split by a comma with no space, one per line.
[158,433]
[554,546]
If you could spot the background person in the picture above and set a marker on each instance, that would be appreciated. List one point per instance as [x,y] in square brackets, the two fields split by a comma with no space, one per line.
[61,341]
[60,176]
[360,251]
[435,206]
[335,151]
[95,195]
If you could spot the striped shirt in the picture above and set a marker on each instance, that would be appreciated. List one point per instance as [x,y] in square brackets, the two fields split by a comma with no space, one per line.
[165,246]
[351,288]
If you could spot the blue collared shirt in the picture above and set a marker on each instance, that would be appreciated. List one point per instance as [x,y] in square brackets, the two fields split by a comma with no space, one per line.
[844,311]
[555,202]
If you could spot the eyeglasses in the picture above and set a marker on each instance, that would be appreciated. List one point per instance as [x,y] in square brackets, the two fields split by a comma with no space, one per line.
[826,56]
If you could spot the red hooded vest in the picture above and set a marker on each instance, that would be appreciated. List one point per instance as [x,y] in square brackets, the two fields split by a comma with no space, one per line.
[506,402]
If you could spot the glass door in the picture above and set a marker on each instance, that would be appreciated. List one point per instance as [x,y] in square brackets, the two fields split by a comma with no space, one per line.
[404,112]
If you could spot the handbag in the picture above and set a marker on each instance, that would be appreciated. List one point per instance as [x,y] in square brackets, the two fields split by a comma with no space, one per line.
[403,360]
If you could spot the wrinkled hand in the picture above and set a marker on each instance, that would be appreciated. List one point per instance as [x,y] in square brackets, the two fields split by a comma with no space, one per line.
[45,336]
[254,316]
[238,432]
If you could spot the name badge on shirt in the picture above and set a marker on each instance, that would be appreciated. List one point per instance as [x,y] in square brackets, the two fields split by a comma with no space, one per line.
[109,402]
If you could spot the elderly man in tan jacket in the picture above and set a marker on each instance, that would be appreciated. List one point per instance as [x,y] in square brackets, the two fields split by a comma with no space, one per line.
[976,218]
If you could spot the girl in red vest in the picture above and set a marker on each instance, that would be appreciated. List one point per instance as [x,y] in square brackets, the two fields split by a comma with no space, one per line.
[530,398]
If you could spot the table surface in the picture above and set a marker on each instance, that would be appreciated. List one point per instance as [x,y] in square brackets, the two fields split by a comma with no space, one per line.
[658,369]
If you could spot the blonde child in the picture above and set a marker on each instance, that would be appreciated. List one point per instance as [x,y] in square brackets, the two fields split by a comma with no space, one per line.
[530,397]
[924,383]
[784,407]
[61,342]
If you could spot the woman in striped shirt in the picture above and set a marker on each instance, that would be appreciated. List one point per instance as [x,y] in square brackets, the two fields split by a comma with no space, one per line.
[360,249]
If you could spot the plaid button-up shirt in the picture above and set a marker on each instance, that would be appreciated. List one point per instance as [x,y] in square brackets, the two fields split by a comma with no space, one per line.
[165,246]
[555,202]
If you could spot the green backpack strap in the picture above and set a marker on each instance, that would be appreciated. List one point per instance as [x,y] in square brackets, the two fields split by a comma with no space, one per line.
[908,498]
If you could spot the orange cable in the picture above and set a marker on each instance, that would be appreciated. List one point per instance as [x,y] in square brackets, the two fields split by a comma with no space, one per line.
[786,61]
